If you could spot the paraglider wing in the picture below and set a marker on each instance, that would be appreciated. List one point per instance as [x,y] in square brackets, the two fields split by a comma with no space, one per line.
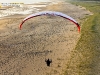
[51,13]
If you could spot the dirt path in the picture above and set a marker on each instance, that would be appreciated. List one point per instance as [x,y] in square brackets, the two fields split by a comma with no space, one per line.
[23,52]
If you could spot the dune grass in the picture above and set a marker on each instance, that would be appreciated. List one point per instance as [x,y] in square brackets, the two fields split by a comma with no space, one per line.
[85,57]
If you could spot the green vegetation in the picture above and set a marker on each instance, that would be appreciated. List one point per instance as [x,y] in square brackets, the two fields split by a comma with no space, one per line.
[85,58]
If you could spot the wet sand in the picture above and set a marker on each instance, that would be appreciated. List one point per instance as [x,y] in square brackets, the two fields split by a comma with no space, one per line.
[23,52]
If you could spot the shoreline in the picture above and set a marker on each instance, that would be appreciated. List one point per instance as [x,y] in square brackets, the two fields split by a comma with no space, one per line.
[23,10]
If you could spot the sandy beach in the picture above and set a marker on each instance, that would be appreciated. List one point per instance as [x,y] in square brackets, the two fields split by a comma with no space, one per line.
[23,52]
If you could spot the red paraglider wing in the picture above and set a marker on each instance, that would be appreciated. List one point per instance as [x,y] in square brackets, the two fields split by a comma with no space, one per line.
[51,13]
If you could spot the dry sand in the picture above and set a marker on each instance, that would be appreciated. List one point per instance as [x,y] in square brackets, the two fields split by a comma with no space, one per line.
[23,52]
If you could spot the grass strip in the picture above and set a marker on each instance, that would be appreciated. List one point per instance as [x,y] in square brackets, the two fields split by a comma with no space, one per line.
[85,59]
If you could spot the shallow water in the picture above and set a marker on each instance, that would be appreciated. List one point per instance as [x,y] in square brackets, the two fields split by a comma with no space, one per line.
[23,9]
[24,1]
